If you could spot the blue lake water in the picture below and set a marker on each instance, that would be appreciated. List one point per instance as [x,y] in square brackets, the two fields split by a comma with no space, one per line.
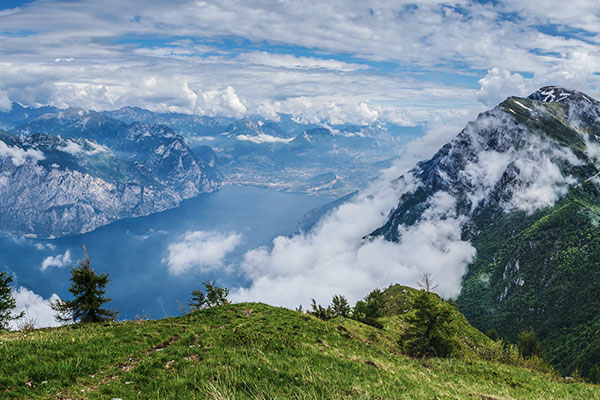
[132,250]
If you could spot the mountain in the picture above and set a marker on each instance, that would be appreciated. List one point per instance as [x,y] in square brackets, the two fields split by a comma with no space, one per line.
[252,350]
[285,155]
[520,184]
[184,124]
[18,114]
[73,171]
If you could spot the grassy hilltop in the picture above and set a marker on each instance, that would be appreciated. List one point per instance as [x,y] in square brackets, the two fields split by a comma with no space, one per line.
[256,351]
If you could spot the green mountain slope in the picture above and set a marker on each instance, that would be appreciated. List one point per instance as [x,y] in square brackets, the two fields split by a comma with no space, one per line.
[251,351]
[543,275]
[521,185]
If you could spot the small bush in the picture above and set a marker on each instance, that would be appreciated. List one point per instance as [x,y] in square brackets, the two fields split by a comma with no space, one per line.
[493,334]
[506,353]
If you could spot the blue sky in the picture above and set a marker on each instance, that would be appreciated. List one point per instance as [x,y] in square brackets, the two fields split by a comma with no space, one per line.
[323,62]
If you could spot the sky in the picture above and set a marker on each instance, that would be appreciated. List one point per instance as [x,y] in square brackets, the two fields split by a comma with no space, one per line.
[433,63]
[328,62]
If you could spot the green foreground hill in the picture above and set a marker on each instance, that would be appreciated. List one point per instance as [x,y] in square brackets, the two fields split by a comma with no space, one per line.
[256,351]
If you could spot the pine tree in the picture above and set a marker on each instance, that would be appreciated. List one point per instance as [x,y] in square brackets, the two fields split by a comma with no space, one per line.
[368,311]
[214,296]
[340,306]
[88,291]
[429,333]
[7,301]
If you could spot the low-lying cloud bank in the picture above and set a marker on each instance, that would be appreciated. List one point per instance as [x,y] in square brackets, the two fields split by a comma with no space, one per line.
[335,257]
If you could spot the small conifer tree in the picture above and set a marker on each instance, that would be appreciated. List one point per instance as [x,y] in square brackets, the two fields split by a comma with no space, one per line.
[88,291]
[340,306]
[369,310]
[213,295]
[429,333]
[7,301]
[321,312]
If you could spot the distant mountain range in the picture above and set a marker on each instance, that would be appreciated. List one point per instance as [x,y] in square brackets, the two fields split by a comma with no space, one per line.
[70,171]
[87,170]
[522,183]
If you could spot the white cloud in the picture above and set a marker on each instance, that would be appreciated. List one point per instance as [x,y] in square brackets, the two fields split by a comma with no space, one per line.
[4,178]
[499,84]
[44,246]
[543,183]
[5,103]
[59,261]
[220,102]
[18,155]
[334,50]
[75,148]
[200,250]
[72,148]
[263,138]
[36,308]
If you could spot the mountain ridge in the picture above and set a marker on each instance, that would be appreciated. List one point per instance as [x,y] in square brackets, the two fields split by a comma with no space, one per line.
[517,173]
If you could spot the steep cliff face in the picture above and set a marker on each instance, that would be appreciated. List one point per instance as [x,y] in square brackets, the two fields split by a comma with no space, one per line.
[51,185]
[522,182]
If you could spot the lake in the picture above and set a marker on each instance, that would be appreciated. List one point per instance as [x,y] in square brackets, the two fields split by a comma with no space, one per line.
[134,251]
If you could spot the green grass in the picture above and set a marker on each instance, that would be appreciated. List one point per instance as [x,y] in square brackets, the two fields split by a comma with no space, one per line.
[250,351]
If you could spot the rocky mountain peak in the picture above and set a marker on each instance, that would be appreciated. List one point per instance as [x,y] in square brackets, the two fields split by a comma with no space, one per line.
[557,94]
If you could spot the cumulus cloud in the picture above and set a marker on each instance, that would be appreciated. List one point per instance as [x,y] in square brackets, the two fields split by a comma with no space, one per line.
[499,84]
[35,307]
[220,102]
[59,261]
[18,155]
[200,250]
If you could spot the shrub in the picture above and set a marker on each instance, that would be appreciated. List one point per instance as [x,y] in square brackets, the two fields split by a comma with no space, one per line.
[493,334]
